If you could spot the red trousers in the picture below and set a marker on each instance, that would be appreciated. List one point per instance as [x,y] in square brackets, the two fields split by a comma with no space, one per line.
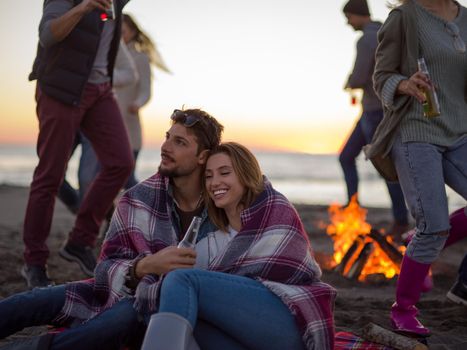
[99,118]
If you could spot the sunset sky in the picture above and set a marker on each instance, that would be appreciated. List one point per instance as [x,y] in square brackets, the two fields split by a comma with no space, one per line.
[271,71]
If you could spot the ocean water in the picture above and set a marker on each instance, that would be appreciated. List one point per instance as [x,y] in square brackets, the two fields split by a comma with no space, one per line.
[303,178]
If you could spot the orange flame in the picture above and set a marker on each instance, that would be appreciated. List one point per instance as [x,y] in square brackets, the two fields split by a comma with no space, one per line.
[348,224]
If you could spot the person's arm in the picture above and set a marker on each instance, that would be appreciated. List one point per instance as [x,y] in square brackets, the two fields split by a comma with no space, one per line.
[60,18]
[164,261]
[125,71]
[389,82]
[362,70]
[144,85]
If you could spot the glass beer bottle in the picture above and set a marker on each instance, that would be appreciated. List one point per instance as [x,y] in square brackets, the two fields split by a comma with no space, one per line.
[189,240]
[431,104]
[108,13]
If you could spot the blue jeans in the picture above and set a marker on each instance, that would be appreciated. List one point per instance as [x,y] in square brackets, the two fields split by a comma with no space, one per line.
[89,167]
[40,306]
[423,170]
[229,311]
[361,136]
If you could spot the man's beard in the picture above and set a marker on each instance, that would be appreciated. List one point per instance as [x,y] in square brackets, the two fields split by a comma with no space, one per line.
[175,172]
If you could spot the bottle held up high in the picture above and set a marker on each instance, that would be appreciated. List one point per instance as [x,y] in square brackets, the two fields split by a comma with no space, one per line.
[189,240]
[108,13]
[431,105]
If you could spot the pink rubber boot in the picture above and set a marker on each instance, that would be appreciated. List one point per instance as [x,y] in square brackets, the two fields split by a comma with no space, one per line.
[408,290]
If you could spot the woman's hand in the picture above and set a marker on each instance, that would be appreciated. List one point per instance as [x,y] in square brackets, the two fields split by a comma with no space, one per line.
[133,108]
[414,86]
[166,260]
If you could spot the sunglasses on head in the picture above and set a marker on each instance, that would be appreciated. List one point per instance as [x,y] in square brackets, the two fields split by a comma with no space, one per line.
[188,120]
[185,118]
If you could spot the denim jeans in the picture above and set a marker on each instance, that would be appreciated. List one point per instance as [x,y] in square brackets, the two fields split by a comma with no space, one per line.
[361,136]
[40,306]
[89,167]
[229,311]
[423,170]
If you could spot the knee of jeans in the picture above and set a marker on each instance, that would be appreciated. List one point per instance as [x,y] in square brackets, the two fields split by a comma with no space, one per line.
[178,278]
[425,248]
[344,159]
[124,314]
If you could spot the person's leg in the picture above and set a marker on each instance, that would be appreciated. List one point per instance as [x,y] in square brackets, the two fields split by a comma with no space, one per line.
[455,167]
[58,125]
[103,126]
[132,181]
[209,337]
[347,156]
[66,193]
[369,123]
[33,308]
[420,171]
[109,330]
[89,167]
[241,307]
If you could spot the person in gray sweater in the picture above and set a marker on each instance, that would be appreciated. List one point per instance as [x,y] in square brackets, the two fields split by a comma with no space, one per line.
[426,152]
[358,16]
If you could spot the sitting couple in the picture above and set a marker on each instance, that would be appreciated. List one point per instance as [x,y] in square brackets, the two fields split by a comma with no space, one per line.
[254,285]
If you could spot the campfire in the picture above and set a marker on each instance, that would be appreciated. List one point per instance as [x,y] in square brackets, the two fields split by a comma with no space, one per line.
[360,251]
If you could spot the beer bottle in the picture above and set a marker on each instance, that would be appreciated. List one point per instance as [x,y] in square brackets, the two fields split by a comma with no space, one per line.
[189,240]
[431,104]
[108,13]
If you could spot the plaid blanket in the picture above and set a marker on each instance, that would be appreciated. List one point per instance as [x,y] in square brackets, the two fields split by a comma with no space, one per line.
[142,225]
[272,247]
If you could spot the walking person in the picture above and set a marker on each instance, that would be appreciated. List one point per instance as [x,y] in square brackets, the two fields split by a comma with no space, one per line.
[423,150]
[256,283]
[73,69]
[105,312]
[358,17]
[131,97]
[124,74]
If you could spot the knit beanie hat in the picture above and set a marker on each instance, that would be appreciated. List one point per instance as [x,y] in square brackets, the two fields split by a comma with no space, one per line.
[357,7]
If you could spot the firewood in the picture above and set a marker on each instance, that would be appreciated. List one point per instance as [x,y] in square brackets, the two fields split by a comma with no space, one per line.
[377,334]
[348,255]
[388,248]
[357,267]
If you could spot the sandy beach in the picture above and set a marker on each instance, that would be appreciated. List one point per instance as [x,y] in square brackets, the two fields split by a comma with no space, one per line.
[356,305]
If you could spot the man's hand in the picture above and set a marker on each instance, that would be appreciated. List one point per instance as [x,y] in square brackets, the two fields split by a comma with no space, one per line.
[89,5]
[166,260]
[414,86]
[63,25]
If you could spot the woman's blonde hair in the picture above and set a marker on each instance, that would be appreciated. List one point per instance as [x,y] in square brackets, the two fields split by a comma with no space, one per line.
[248,171]
[143,42]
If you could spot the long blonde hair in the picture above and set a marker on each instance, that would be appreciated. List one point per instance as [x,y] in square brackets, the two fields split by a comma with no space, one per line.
[144,44]
[248,171]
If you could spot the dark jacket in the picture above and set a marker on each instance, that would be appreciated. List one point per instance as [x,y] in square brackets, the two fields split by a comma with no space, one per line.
[63,69]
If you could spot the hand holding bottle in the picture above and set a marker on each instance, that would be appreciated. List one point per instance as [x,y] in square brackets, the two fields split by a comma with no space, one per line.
[166,260]
[414,86]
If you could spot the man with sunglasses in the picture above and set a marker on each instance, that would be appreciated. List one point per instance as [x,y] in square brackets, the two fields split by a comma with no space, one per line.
[139,248]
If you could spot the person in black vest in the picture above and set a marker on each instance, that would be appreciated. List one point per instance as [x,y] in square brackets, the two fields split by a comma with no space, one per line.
[73,68]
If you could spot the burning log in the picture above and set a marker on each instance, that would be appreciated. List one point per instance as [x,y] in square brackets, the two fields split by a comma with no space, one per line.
[357,267]
[349,254]
[389,249]
[377,334]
